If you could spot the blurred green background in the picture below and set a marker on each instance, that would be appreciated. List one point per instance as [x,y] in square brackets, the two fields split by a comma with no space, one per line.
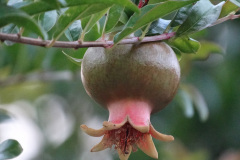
[41,91]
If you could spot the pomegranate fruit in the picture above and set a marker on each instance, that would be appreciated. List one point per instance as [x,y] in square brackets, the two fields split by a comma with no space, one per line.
[132,82]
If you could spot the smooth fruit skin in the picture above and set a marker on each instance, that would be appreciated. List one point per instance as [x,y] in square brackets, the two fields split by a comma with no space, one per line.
[147,72]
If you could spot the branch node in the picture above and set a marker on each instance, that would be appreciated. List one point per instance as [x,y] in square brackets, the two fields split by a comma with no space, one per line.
[80,41]
[19,35]
[50,44]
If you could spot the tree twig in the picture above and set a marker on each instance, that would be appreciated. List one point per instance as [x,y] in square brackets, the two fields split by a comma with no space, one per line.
[76,44]
[229,17]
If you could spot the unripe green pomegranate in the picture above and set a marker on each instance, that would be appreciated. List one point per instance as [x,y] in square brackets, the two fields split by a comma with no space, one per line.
[132,82]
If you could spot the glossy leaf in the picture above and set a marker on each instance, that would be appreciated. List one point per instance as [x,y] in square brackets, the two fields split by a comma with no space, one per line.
[149,14]
[181,15]
[11,15]
[40,6]
[206,49]
[72,14]
[228,8]
[48,20]
[158,27]
[90,21]
[185,44]
[114,15]
[72,59]
[74,31]
[203,14]
[10,149]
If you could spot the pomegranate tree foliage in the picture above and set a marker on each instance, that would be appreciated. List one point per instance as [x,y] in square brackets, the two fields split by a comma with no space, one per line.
[88,20]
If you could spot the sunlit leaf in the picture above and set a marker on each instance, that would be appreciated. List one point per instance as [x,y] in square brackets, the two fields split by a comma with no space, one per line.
[148,14]
[72,14]
[48,20]
[203,14]
[11,15]
[185,44]
[10,149]
[40,6]
[228,8]
[181,15]
[74,31]
[158,27]
[113,16]
[90,21]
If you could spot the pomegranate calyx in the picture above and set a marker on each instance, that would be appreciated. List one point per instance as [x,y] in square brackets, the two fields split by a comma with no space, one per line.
[147,146]
[125,138]
[93,132]
[159,136]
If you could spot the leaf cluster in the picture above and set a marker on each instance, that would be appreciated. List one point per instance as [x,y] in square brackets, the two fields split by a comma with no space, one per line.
[88,20]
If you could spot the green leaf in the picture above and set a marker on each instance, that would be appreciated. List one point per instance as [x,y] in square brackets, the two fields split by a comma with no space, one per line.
[156,1]
[11,15]
[178,53]
[94,33]
[185,102]
[40,6]
[185,44]
[72,14]
[10,149]
[148,14]
[228,8]
[53,3]
[113,16]
[206,49]
[74,31]
[10,29]
[158,27]
[48,20]
[181,15]
[90,21]
[124,18]
[74,60]
[3,2]
[203,14]
[198,101]
[236,2]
